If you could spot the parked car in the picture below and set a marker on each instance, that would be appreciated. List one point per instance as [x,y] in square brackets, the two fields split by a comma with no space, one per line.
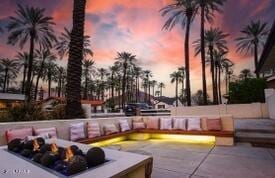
[132,108]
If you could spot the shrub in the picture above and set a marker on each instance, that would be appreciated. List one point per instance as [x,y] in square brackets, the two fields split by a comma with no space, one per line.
[58,112]
[247,91]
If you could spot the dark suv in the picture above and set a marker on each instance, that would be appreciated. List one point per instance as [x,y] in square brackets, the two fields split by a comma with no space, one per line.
[132,108]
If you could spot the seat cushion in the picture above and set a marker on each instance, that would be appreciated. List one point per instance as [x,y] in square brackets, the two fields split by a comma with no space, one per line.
[93,129]
[18,133]
[124,125]
[51,131]
[194,124]
[77,131]
[110,129]
[179,123]
[152,123]
[214,124]
[165,123]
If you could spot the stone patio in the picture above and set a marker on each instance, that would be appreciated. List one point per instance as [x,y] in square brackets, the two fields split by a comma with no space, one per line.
[180,160]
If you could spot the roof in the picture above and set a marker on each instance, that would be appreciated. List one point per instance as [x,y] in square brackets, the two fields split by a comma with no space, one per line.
[166,100]
[10,96]
[267,59]
[93,102]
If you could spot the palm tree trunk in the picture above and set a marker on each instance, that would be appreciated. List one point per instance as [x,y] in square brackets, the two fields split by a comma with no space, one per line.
[86,87]
[216,84]
[38,77]
[219,80]
[160,91]
[149,92]
[24,78]
[74,70]
[212,74]
[30,64]
[226,81]
[204,89]
[5,80]
[188,91]
[112,86]
[177,104]
[256,58]
[59,86]
[123,86]
[49,85]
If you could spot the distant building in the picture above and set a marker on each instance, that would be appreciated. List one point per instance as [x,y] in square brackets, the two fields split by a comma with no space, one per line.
[266,64]
[8,100]
[166,102]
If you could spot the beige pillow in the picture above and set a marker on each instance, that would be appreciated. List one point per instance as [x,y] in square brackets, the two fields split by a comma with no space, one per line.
[179,123]
[110,129]
[152,123]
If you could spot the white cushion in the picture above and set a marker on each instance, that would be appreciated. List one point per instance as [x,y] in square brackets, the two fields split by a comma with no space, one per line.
[165,123]
[93,130]
[110,129]
[51,131]
[77,131]
[179,123]
[194,124]
[124,125]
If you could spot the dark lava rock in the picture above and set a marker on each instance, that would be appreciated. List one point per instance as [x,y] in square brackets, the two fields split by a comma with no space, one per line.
[40,141]
[95,156]
[48,159]
[29,145]
[77,164]
[45,148]
[59,167]
[37,157]
[15,143]
[26,153]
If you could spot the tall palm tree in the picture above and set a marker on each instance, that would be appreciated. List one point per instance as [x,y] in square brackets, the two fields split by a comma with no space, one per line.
[30,24]
[161,86]
[50,74]
[88,68]
[245,74]
[207,9]
[214,39]
[148,74]
[10,69]
[74,69]
[153,85]
[137,73]
[45,56]
[114,70]
[254,37]
[102,73]
[61,76]
[23,57]
[182,70]
[227,65]
[175,77]
[125,60]
[63,44]
[182,12]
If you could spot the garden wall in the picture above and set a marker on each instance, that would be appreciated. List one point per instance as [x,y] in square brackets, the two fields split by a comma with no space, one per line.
[239,111]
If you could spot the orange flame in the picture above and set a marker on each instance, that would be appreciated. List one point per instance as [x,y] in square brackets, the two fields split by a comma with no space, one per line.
[69,154]
[54,148]
[35,145]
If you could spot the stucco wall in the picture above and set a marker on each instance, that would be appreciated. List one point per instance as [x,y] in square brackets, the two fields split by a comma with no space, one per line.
[242,111]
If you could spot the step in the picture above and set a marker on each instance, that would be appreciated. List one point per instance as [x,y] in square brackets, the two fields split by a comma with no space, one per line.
[254,137]
[255,125]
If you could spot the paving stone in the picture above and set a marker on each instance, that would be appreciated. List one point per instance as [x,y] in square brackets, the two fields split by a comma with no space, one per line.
[162,173]
[236,166]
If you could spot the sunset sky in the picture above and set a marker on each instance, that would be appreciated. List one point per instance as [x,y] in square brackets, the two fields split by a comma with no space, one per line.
[136,27]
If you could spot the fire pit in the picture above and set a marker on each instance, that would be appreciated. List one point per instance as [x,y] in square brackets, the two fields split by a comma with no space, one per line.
[62,161]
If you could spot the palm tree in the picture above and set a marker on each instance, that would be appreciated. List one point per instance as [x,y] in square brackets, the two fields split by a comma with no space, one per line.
[148,74]
[23,57]
[114,70]
[125,60]
[245,74]
[207,9]
[30,24]
[88,68]
[61,75]
[182,70]
[50,74]
[175,77]
[45,56]
[63,44]
[74,70]
[137,73]
[254,37]
[214,39]
[227,66]
[102,73]
[153,85]
[182,12]
[10,69]
[161,86]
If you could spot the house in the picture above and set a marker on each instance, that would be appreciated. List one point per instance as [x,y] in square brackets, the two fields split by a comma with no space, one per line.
[8,100]
[166,102]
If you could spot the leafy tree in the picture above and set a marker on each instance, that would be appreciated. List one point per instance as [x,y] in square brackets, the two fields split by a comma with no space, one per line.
[23,57]
[247,91]
[10,70]
[252,39]
[182,12]
[30,24]
[198,98]
[88,68]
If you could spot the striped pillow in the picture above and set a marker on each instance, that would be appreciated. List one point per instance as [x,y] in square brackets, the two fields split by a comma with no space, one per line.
[124,125]
[93,130]
[18,133]
[110,129]
[179,124]
[51,131]
[77,131]
[165,123]
[194,124]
